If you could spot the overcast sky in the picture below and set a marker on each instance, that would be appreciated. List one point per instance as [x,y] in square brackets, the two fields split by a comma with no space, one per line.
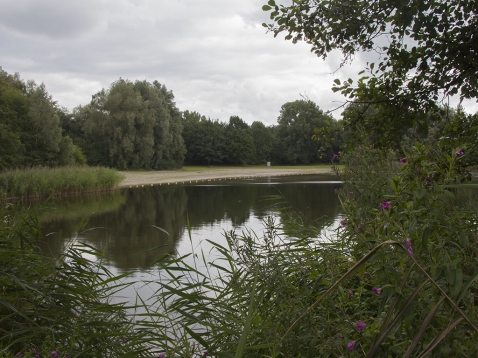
[213,54]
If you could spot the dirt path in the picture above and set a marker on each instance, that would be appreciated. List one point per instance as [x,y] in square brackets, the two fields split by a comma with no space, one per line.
[179,176]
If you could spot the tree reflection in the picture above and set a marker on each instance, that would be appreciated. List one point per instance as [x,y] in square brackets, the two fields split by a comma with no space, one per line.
[126,225]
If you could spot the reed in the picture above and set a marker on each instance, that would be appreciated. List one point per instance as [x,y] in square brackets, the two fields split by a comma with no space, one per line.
[59,308]
[41,182]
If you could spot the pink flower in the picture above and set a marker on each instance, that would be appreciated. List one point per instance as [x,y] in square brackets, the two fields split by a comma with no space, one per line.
[343,222]
[351,293]
[403,160]
[386,205]
[408,245]
[351,346]
[360,225]
[361,325]
[162,355]
[376,290]
[459,153]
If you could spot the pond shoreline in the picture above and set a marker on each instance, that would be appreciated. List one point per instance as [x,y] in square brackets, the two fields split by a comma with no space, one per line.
[182,176]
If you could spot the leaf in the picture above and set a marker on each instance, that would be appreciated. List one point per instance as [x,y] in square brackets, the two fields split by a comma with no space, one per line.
[337,81]
[423,328]
[266,8]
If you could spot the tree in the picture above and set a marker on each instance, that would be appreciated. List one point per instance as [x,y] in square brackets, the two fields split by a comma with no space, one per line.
[239,143]
[263,138]
[131,126]
[428,50]
[204,139]
[296,124]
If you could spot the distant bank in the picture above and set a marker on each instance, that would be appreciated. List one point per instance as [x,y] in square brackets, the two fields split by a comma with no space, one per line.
[187,174]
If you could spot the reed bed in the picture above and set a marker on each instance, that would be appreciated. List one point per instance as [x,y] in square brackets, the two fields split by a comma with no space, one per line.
[41,182]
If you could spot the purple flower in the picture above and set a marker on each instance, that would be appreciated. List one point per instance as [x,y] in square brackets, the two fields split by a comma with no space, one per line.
[428,180]
[336,191]
[335,156]
[351,293]
[343,222]
[360,225]
[386,205]
[459,153]
[361,325]
[206,353]
[351,346]
[403,160]
[408,242]
[351,193]
[410,251]
[376,290]
[18,354]
[162,355]
[54,354]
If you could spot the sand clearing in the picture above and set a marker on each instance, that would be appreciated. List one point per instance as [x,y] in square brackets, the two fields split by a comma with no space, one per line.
[179,176]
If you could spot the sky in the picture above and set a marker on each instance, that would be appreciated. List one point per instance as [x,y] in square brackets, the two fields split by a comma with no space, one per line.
[214,55]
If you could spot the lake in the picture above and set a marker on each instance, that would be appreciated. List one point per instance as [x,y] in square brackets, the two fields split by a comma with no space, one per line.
[136,226]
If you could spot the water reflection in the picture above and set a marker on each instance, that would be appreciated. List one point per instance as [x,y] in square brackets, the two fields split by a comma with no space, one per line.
[126,224]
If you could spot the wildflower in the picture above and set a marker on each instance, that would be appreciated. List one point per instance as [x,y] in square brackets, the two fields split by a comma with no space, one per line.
[335,156]
[206,353]
[408,245]
[351,346]
[351,293]
[386,205]
[428,180]
[403,160]
[162,355]
[18,354]
[343,222]
[360,225]
[336,191]
[361,325]
[54,354]
[459,153]
[351,193]
[376,290]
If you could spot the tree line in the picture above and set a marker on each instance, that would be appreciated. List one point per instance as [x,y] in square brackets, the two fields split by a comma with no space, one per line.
[137,125]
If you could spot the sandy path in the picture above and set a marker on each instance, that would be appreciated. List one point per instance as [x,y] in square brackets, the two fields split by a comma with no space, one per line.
[179,176]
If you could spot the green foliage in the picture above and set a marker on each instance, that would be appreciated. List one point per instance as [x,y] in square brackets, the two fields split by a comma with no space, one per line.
[30,130]
[240,144]
[297,123]
[264,140]
[130,126]
[61,305]
[425,56]
[56,181]
[204,139]
[397,278]
[428,47]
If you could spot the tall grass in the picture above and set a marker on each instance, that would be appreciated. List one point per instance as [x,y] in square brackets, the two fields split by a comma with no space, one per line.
[59,308]
[38,182]
[399,279]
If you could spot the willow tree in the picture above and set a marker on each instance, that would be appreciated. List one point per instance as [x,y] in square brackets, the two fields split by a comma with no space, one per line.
[132,126]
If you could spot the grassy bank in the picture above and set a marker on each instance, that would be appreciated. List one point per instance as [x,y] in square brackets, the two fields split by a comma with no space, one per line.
[38,182]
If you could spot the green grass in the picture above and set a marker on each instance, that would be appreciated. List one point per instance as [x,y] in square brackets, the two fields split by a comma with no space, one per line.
[40,182]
